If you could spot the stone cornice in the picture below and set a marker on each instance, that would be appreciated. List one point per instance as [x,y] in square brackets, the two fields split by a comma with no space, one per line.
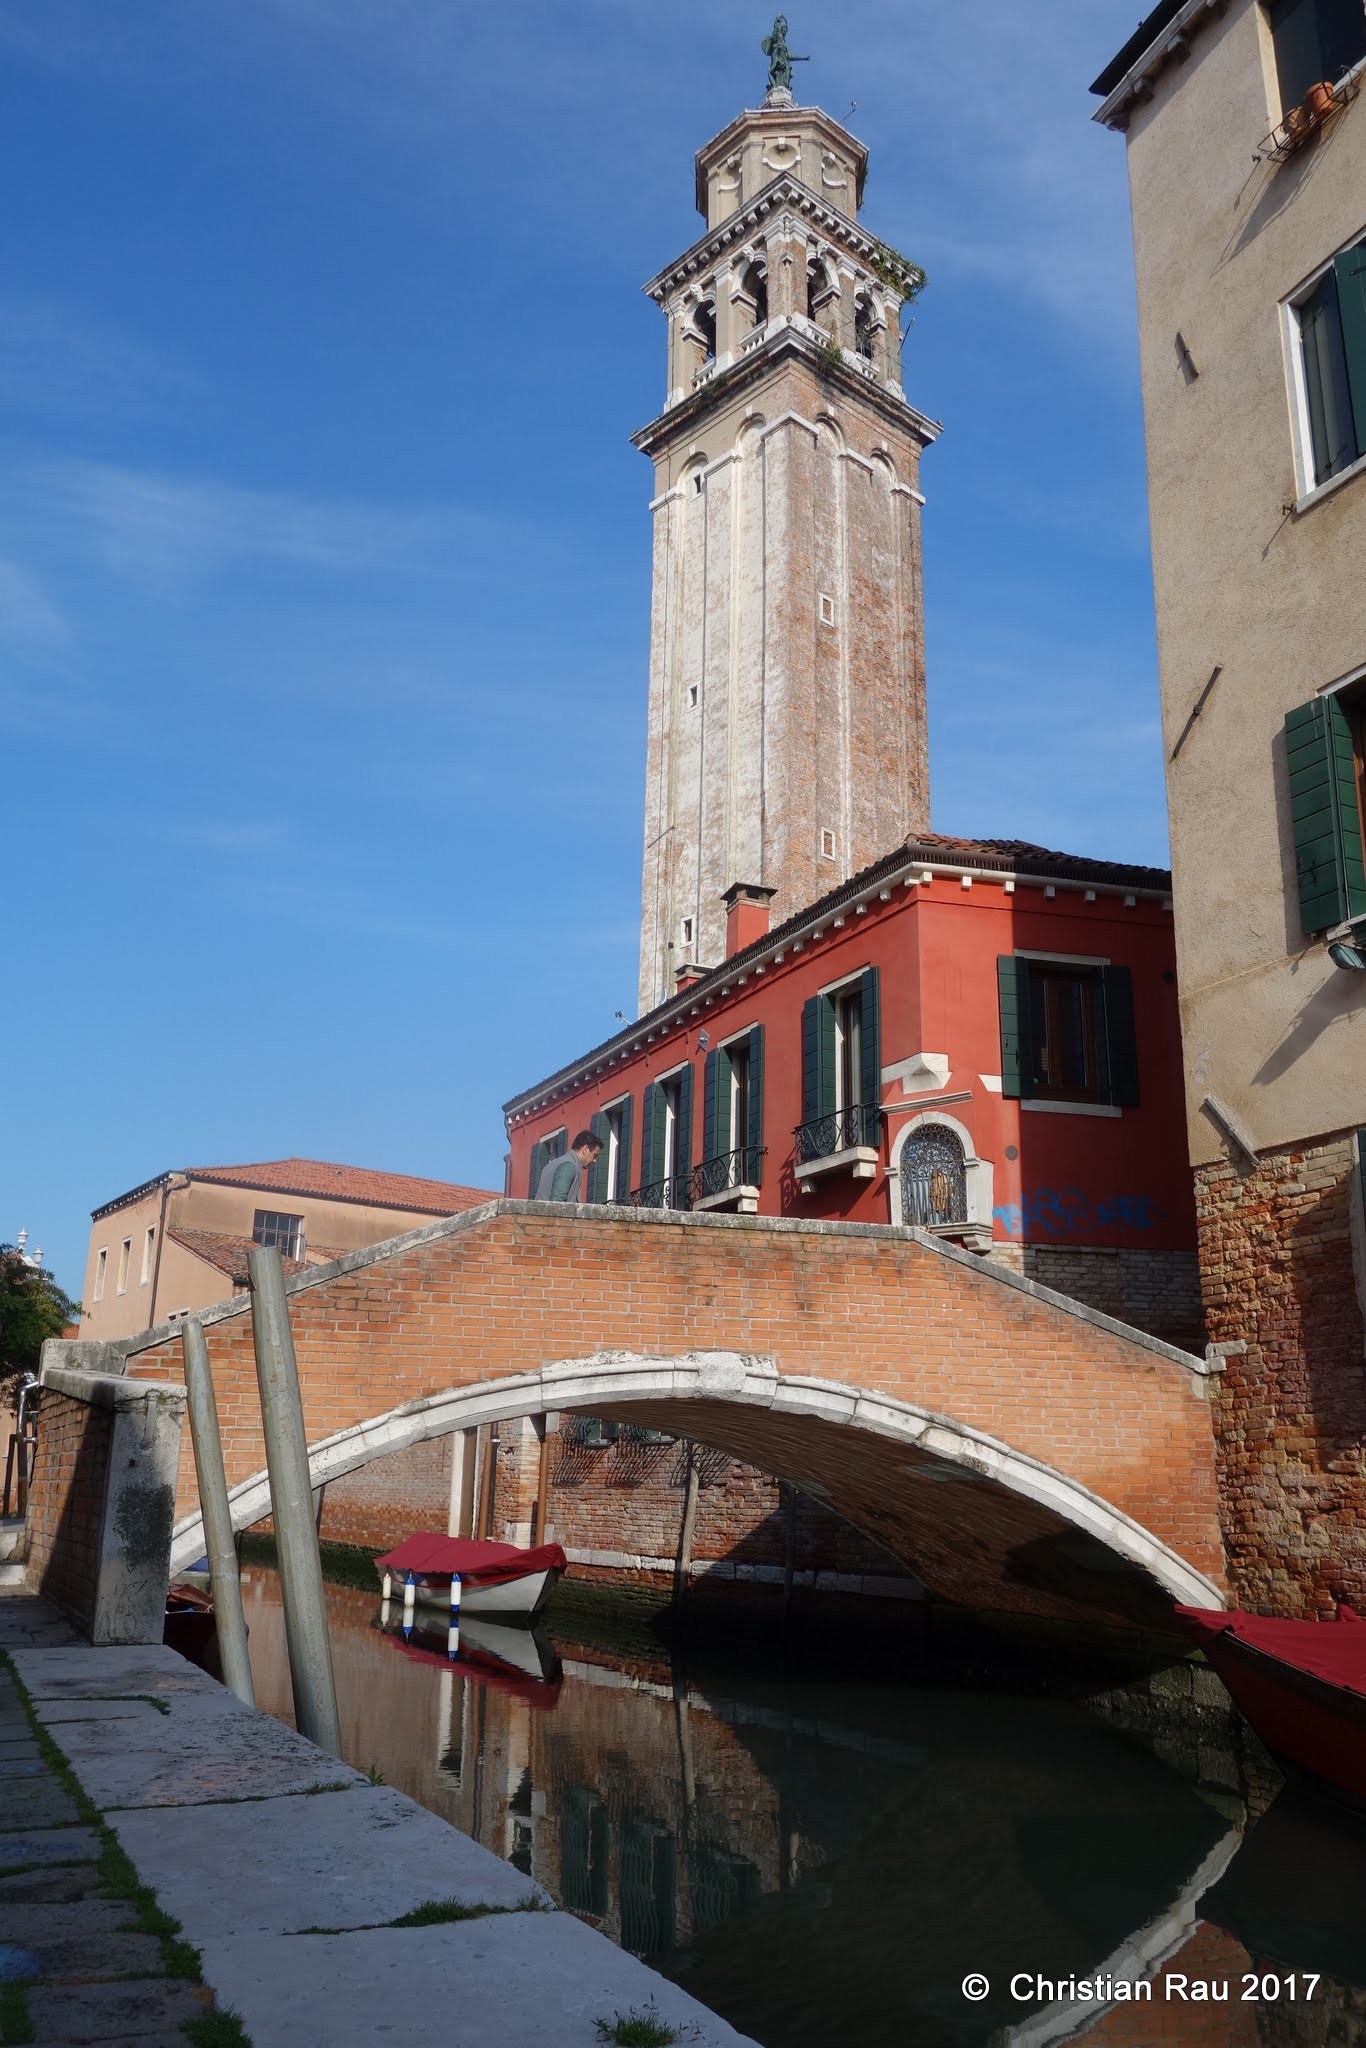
[782,340]
[784,190]
[1170,45]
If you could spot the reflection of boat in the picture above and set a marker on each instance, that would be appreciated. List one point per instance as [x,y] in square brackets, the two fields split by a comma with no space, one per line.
[1301,1684]
[519,1661]
[495,1578]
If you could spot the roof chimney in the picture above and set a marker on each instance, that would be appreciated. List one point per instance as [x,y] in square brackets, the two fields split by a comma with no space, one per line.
[686,975]
[747,912]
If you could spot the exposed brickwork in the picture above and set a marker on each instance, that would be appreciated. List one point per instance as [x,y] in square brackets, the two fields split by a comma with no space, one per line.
[521,1286]
[66,1507]
[1290,1411]
[1154,1291]
[382,1503]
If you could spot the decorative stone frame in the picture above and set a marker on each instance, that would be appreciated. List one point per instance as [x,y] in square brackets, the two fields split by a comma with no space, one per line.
[976,1231]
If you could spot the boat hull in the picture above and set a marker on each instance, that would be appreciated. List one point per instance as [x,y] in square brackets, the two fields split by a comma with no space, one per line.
[523,1597]
[1315,1729]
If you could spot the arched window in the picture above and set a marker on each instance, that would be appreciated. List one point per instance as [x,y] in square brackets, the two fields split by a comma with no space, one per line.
[865,327]
[754,284]
[820,289]
[934,1182]
[704,327]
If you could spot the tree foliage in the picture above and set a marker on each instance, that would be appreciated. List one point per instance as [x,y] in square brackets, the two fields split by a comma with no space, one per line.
[32,1309]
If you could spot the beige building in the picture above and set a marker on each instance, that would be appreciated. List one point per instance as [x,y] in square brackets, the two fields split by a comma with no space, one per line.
[1246,142]
[787,744]
[180,1242]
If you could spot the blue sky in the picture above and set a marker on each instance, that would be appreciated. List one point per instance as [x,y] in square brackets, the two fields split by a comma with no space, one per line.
[324,554]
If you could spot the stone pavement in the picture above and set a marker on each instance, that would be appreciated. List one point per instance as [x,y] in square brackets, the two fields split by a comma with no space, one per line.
[286,1870]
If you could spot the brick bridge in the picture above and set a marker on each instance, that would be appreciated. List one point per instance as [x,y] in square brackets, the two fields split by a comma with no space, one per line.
[1018,1451]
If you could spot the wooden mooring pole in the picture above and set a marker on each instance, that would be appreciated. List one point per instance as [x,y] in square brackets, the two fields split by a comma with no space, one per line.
[224,1583]
[291,1504]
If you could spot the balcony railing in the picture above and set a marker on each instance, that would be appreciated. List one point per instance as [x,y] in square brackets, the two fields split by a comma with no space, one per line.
[670,1193]
[841,1131]
[739,1169]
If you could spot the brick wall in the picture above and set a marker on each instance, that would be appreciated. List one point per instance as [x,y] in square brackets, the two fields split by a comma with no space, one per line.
[66,1503]
[382,1503]
[1290,1408]
[1157,1291]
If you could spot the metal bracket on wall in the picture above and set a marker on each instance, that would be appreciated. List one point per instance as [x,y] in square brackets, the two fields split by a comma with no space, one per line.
[1198,707]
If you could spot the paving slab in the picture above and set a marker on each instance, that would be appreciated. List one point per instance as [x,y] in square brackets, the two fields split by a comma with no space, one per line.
[350,1861]
[23,1766]
[161,2037]
[29,1887]
[48,1845]
[109,1956]
[52,1713]
[517,1980]
[14,1748]
[188,1759]
[32,1924]
[144,1668]
[34,1803]
[78,2013]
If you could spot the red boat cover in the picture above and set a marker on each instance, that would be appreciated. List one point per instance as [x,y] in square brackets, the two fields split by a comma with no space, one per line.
[1334,1651]
[487,1564]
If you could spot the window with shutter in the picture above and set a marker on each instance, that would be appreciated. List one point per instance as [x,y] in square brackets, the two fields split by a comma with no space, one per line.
[1331,317]
[1067,1032]
[841,1070]
[1314,40]
[754,1126]
[1325,814]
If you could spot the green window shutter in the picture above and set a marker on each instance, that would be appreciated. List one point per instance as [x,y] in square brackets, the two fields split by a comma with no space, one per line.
[1017,1053]
[623,1186]
[811,1061]
[684,1147]
[1324,817]
[1116,1045]
[1350,268]
[726,1138]
[870,1053]
[651,1115]
[754,1136]
[709,1145]
[540,1152]
[597,1189]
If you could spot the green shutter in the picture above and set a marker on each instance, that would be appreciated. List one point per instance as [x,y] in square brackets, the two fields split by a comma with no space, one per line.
[709,1146]
[539,1154]
[870,1054]
[1017,1053]
[726,1138]
[754,1136]
[1324,816]
[683,1148]
[597,1189]
[1115,1041]
[811,1063]
[651,1114]
[1350,268]
[623,1186]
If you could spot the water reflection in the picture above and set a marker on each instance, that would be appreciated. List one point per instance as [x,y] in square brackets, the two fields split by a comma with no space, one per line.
[824,1859]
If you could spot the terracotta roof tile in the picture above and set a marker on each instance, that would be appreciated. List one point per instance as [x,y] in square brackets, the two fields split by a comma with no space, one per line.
[348,1184]
[229,1254]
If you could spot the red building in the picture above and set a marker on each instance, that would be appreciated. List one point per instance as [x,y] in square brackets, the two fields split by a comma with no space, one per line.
[973,1037]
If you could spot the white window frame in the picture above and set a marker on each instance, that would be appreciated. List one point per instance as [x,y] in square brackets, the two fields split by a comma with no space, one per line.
[101,1271]
[148,1246]
[1307,490]
[125,1260]
[611,1145]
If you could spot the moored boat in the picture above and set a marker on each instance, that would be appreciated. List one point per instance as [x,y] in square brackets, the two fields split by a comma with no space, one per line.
[495,1578]
[1301,1685]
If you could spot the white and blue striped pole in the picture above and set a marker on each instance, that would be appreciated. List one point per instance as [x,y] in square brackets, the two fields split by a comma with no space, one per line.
[453,1632]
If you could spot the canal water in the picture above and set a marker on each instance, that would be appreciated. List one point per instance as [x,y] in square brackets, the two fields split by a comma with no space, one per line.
[825,1857]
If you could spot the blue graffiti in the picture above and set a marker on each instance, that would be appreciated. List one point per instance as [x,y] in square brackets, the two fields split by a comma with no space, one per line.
[1067,1212]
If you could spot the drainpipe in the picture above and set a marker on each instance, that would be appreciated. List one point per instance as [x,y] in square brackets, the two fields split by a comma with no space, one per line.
[182,1181]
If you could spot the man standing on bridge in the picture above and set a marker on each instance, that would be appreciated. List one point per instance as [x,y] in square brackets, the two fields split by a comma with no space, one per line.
[562,1179]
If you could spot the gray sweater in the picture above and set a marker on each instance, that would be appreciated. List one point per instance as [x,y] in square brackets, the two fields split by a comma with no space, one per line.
[560,1179]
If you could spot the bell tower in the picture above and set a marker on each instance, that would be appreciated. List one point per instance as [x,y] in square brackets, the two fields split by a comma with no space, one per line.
[787,743]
